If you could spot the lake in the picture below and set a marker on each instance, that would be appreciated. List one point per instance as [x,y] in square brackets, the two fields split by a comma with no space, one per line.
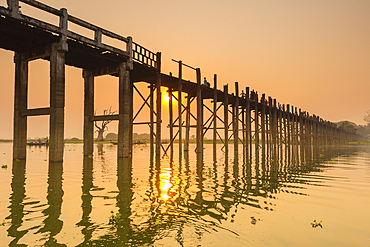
[221,200]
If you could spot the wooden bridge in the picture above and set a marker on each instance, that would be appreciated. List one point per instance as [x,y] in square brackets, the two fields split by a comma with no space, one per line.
[258,122]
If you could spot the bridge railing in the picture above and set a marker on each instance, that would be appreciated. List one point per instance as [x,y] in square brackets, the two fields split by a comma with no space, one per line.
[143,55]
[133,50]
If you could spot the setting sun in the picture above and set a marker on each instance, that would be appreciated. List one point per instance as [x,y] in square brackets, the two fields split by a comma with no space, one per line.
[166,98]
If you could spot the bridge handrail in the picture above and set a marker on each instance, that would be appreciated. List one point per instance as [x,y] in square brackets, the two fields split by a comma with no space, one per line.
[133,50]
[143,55]
[74,19]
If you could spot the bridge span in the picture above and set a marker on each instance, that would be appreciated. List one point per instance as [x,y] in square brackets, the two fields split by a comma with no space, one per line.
[259,122]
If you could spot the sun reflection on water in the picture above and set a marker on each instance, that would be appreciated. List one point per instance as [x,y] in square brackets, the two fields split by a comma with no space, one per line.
[166,183]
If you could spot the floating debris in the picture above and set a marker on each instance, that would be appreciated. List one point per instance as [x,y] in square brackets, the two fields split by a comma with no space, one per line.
[315,224]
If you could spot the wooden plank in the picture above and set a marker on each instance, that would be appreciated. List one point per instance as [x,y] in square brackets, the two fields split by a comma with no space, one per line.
[104,117]
[37,112]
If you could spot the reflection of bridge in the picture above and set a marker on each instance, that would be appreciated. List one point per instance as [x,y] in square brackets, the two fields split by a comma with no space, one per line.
[200,204]
[32,39]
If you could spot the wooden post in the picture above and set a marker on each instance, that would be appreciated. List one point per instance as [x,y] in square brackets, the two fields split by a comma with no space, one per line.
[263,125]
[248,129]
[280,121]
[159,107]
[283,116]
[179,97]
[131,109]
[293,127]
[20,106]
[151,115]
[14,7]
[296,126]
[288,125]
[280,130]
[244,134]
[187,123]
[236,119]
[226,118]
[170,111]
[57,102]
[88,113]
[314,133]
[199,114]
[124,123]
[285,122]
[256,127]
[301,129]
[214,113]
[270,126]
[275,128]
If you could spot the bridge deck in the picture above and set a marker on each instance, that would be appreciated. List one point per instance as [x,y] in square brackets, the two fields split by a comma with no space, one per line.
[26,34]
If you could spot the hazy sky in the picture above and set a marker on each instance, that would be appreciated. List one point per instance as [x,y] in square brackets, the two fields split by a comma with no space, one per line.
[311,54]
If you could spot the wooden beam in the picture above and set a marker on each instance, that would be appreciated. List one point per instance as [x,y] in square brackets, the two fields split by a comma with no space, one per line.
[37,112]
[105,117]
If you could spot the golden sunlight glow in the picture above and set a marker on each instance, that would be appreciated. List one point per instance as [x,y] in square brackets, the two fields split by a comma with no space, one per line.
[165,184]
[166,98]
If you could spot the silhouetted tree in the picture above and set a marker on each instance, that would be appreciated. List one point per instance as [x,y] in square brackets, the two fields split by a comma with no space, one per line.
[367,117]
[104,125]
[348,126]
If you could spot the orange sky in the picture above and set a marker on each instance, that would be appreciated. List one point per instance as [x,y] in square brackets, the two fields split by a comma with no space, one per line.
[311,54]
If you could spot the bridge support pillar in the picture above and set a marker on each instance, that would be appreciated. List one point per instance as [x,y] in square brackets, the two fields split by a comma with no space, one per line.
[158,138]
[263,127]
[199,115]
[214,114]
[187,124]
[20,106]
[256,130]
[88,113]
[248,124]
[57,102]
[125,112]
[226,118]
[236,120]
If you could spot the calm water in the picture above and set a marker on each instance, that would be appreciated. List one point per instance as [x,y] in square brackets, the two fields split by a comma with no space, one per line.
[217,201]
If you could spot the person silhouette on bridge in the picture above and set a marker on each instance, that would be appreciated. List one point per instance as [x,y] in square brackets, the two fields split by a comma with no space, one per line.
[206,83]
